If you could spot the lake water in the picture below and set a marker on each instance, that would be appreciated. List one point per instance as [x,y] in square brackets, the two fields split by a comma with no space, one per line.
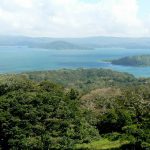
[21,59]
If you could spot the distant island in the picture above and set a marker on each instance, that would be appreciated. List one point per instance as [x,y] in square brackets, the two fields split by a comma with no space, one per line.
[59,45]
[137,61]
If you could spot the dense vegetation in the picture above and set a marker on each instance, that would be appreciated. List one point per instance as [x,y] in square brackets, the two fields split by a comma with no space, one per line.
[85,80]
[40,116]
[36,113]
[142,60]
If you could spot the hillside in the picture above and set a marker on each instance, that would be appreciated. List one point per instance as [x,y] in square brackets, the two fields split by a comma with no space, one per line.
[84,79]
[138,61]
[49,110]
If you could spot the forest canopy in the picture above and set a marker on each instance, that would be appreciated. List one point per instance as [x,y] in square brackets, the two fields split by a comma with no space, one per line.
[138,61]
[37,112]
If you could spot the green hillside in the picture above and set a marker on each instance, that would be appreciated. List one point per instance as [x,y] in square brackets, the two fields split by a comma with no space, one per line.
[142,60]
[74,109]
[84,79]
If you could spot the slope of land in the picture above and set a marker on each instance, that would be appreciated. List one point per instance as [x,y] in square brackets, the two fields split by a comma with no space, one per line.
[141,60]
[74,109]
[84,79]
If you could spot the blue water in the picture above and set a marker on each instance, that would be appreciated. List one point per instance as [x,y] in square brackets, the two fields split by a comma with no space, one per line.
[21,59]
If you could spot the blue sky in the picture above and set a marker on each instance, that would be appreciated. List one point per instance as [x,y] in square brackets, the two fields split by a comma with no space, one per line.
[75,18]
[144,7]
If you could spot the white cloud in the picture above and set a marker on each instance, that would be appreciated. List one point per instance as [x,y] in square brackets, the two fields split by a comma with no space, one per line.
[61,18]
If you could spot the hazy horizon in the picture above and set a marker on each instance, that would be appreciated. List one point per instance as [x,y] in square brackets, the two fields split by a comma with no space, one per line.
[78,37]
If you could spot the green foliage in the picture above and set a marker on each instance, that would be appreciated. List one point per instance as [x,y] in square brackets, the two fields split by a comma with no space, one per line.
[41,116]
[103,144]
[129,116]
[142,60]
[84,80]
[73,94]
[46,115]
[114,120]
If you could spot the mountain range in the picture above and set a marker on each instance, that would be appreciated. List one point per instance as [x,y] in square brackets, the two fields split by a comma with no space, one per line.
[76,43]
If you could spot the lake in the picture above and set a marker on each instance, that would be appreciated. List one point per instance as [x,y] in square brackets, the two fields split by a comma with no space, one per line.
[15,59]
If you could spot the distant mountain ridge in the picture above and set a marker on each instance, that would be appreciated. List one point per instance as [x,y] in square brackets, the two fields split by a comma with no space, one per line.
[76,43]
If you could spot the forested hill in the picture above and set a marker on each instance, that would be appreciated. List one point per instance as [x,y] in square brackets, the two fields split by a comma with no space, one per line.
[141,60]
[84,79]
[74,109]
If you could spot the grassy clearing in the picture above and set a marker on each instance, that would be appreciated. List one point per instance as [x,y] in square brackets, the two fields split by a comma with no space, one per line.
[102,144]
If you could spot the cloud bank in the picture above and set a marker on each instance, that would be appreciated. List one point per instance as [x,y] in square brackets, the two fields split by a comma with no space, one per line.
[72,18]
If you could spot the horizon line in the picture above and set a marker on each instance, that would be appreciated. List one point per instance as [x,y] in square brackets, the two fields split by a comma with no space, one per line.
[80,37]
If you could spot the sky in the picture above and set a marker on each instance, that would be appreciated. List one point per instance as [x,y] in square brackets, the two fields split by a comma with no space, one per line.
[75,18]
